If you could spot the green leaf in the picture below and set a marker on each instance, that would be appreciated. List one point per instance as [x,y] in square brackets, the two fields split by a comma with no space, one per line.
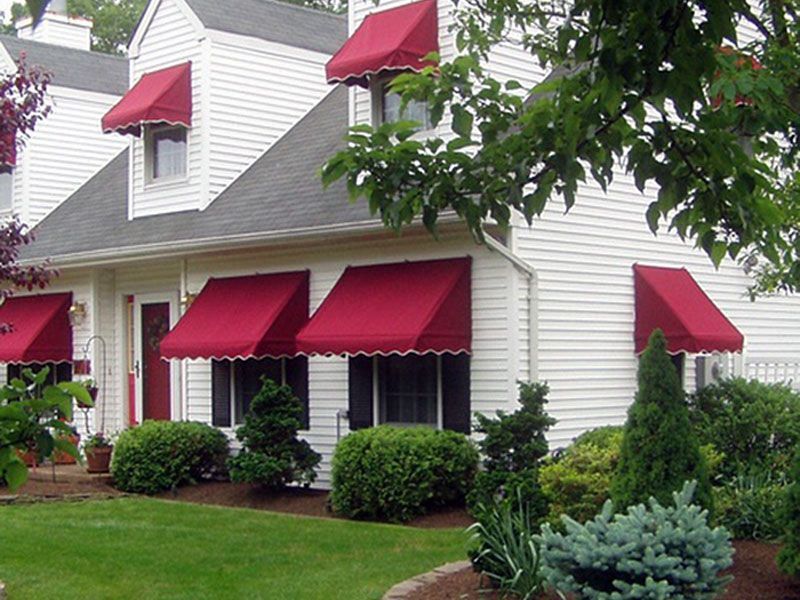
[718,252]
[77,390]
[462,121]
[16,474]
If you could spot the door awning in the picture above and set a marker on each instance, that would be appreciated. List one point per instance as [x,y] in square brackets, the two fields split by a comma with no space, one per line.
[242,317]
[412,307]
[671,300]
[40,329]
[389,41]
[160,97]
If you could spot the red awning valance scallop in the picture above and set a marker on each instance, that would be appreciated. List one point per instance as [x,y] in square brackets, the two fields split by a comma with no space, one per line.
[40,329]
[411,307]
[671,300]
[242,317]
[163,96]
[392,40]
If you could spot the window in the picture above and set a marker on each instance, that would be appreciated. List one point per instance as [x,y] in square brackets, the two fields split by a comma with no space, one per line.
[236,383]
[6,187]
[391,109]
[58,371]
[167,150]
[408,390]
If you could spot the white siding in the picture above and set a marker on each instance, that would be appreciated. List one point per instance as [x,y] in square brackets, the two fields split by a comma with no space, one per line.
[61,30]
[170,39]
[495,366]
[257,91]
[65,150]
[586,302]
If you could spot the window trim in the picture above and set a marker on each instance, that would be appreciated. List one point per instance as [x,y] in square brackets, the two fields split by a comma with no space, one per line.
[149,156]
[11,169]
[378,89]
[376,395]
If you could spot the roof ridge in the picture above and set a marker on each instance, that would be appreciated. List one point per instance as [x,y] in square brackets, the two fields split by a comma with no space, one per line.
[14,38]
[316,11]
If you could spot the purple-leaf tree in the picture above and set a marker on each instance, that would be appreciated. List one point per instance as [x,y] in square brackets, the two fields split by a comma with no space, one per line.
[33,416]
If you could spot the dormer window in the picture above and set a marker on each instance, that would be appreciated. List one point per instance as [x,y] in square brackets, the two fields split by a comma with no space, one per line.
[6,188]
[391,108]
[165,149]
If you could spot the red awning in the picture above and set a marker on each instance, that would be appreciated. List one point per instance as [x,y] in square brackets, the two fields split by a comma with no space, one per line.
[671,300]
[391,40]
[159,97]
[242,317]
[40,329]
[411,307]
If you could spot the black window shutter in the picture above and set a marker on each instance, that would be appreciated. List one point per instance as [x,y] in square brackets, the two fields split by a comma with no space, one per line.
[360,392]
[221,393]
[63,372]
[13,372]
[456,403]
[297,379]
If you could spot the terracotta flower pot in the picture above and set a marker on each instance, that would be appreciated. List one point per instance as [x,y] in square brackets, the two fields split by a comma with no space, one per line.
[98,460]
[28,457]
[62,458]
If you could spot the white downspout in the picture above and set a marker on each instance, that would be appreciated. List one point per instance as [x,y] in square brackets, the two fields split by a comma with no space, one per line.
[533,293]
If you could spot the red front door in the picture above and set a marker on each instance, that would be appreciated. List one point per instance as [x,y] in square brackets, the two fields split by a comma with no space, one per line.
[156,398]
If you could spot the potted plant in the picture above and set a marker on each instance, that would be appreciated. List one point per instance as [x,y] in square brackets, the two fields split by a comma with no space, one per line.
[91,387]
[62,458]
[98,449]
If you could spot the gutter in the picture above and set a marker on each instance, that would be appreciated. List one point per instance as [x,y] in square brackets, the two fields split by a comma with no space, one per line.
[533,293]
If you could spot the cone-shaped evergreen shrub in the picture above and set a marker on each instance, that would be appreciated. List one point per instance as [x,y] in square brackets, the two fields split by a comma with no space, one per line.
[660,451]
[512,447]
[272,455]
[789,557]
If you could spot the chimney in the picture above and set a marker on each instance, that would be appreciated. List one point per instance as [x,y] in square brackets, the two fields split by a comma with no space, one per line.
[57,27]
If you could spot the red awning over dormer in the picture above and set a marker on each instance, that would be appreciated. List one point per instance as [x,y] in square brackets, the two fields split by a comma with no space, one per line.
[388,41]
[163,96]
[671,300]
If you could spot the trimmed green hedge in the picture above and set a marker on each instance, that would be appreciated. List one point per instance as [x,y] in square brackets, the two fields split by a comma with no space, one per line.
[162,455]
[395,474]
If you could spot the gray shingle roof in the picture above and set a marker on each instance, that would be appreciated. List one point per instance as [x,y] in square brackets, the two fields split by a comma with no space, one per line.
[275,21]
[73,68]
[280,192]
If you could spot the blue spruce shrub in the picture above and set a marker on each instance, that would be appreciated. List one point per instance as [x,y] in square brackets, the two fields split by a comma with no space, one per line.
[647,552]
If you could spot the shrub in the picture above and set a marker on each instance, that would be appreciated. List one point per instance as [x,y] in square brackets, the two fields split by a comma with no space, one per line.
[789,556]
[395,474]
[161,455]
[512,446]
[749,506]
[577,482]
[659,448]
[272,455]
[755,425]
[505,549]
[647,552]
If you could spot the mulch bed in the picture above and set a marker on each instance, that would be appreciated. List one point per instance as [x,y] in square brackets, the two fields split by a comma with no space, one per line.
[755,578]
[69,481]
[312,503]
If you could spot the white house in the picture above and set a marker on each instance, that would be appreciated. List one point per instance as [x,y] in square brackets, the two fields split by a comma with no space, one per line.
[207,252]
[67,147]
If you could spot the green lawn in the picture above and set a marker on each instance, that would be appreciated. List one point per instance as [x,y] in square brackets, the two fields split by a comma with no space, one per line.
[143,548]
